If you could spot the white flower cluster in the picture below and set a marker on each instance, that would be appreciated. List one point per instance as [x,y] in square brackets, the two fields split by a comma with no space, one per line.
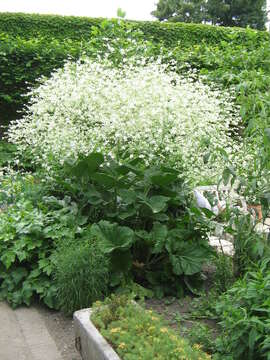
[132,111]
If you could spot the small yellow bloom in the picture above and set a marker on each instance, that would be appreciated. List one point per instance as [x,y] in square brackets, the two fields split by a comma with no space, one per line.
[154,318]
[164,330]
[122,345]
[115,330]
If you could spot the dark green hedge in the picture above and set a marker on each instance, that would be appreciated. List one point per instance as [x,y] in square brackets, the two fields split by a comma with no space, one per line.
[78,28]
[24,61]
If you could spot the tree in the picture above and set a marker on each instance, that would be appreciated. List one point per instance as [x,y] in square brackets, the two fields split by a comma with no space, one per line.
[241,13]
[181,10]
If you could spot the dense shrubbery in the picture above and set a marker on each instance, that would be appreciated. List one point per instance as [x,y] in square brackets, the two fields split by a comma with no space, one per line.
[42,43]
[22,63]
[137,110]
[79,28]
[244,312]
[139,219]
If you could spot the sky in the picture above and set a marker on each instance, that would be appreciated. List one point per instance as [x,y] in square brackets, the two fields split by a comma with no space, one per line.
[135,9]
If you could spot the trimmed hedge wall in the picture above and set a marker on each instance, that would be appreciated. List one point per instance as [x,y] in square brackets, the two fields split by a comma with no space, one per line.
[24,61]
[77,28]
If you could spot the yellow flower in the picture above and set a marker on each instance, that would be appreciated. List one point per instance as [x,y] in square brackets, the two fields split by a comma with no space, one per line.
[164,330]
[154,318]
[122,345]
[115,330]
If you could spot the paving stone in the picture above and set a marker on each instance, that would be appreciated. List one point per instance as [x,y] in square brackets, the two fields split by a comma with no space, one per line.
[24,335]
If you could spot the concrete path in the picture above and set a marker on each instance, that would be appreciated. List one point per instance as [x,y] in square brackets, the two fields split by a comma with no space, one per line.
[24,336]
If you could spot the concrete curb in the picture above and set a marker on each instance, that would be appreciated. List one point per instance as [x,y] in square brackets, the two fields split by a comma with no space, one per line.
[89,342]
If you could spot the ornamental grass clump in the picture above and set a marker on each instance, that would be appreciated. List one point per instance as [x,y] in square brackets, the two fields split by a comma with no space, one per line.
[131,111]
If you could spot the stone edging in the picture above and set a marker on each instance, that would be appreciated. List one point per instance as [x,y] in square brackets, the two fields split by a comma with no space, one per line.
[88,340]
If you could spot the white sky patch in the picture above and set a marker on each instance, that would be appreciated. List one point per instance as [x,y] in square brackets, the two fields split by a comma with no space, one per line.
[135,9]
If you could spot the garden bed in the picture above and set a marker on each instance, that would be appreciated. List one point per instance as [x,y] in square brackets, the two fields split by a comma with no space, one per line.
[132,331]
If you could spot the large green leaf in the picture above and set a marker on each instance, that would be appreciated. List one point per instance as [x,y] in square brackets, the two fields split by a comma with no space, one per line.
[107,181]
[128,196]
[163,179]
[190,259]
[157,203]
[113,236]
[159,236]
[87,165]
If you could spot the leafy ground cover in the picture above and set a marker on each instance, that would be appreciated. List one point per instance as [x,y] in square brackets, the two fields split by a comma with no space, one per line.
[137,333]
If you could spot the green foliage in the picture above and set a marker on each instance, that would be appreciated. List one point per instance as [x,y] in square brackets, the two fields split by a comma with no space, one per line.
[34,45]
[142,221]
[23,62]
[243,67]
[224,273]
[139,334]
[191,11]
[81,273]
[30,225]
[249,245]
[7,153]
[241,13]
[201,334]
[226,13]
[30,26]
[244,311]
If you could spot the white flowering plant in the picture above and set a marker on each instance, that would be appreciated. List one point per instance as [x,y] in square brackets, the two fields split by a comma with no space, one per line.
[141,110]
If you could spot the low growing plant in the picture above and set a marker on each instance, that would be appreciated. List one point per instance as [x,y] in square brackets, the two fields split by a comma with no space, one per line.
[30,226]
[139,334]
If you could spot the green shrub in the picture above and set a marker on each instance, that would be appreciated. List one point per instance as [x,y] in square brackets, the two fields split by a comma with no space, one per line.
[30,225]
[201,334]
[144,220]
[243,67]
[139,334]
[81,274]
[22,64]
[244,311]
[34,45]
[7,153]
[79,28]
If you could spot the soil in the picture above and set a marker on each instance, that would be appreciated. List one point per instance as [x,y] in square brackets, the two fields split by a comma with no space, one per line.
[177,312]
[61,329]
